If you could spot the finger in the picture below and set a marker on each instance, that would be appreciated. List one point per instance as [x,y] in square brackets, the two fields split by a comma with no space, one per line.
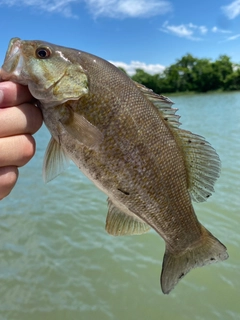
[8,179]
[12,94]
[25,118]
[16,150]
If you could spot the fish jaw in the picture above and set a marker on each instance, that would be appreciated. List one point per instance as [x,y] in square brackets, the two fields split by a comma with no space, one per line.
[17,66]
[50,80]
[13,63]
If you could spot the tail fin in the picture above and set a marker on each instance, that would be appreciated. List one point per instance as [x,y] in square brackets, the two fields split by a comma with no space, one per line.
[175,267]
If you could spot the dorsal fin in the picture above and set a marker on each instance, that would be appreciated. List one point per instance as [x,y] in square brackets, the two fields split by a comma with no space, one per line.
[119,223]
[201,160]
[163,104]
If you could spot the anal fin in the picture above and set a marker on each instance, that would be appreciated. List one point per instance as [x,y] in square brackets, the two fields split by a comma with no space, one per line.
[119,223]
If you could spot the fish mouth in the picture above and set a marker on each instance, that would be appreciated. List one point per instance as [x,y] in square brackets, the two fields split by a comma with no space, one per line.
[13,62]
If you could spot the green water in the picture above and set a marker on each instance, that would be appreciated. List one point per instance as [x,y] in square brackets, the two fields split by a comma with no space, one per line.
[58,263]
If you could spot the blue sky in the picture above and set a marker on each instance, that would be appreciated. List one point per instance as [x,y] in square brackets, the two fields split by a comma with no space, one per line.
[147,34]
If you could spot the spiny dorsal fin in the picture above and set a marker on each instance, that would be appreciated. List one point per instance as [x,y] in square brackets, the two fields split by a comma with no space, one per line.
[119,223]
[203,165]
[55,160]
[163,104]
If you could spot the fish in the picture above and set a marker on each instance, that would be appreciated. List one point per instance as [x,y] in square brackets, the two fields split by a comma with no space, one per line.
[128,141]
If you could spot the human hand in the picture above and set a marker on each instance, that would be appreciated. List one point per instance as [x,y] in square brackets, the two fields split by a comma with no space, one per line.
[19,119]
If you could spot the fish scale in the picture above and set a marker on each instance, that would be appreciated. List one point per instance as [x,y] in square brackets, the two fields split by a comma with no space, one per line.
[128,141]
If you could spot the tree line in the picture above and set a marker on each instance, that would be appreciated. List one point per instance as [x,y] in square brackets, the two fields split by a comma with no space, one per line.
[193,74]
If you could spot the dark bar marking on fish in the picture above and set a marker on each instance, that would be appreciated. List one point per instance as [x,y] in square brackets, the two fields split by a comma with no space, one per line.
[125,192]
[181,276]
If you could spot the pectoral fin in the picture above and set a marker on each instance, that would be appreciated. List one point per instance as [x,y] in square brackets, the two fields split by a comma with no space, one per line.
[83,131]
[55,160]
[119,223]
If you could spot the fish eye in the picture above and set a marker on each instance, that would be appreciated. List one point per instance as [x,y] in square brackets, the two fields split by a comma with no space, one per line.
[43,52]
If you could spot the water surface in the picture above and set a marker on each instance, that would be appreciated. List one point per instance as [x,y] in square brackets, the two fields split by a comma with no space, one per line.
[58,263]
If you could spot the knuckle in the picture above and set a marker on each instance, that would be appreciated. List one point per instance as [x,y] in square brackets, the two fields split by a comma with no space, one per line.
[8,179]
[28,149]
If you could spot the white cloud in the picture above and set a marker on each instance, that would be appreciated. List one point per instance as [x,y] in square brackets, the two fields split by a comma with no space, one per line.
[203,29]
[188,31]
[232,10]
[107,8]
[131,68]
[57,6]
[233,37]
[128,8]
[217,30]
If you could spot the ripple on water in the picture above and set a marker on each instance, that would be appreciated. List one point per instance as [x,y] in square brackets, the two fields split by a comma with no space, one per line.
[57,261]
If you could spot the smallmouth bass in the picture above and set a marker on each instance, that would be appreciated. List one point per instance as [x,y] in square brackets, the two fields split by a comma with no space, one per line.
[127,140]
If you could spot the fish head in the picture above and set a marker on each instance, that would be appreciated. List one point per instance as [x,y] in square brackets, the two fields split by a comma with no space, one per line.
[47,69]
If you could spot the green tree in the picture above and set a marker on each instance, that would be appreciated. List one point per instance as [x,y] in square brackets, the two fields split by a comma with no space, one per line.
[203,76]
[187,61]
[222,69]
[148,80]
[193,74]
[171,80]
[178,77]
[122,69]
[232,81]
